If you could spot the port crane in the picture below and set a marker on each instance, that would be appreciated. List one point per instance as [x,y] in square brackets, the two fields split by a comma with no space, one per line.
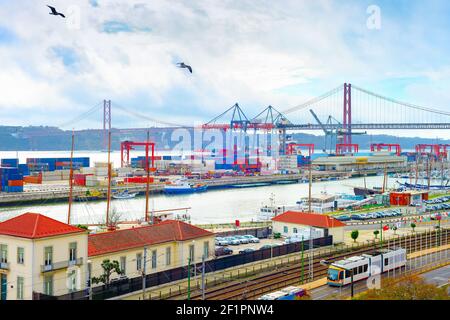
[338,132]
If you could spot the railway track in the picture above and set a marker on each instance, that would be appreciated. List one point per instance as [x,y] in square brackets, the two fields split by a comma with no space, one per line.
[256,286]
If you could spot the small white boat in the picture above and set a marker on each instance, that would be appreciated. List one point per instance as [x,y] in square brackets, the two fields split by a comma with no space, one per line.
[267,212]
[124,195]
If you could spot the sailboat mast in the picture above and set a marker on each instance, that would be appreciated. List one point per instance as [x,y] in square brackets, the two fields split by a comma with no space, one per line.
[108,199]
[309,187]
[147,191]
[71,179]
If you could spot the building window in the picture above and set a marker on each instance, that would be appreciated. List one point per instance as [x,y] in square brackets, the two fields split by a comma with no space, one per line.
[48,256]
[168,256]
[386,261]
[285,229]
[206,249]
[295,230]
[154,257]
[139,261]
[48,285]
[73,251]
[123,265]
[20,255]
[72,281]
[191,253]
[19,288]
[3,253]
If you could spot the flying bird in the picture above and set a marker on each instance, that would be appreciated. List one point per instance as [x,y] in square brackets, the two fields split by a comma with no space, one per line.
[182,65]
[54,12]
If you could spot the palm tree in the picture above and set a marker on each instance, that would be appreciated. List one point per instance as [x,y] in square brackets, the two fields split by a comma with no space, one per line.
[376,233]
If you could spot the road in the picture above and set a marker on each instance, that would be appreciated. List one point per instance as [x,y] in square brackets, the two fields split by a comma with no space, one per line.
[439,277]
[442,274]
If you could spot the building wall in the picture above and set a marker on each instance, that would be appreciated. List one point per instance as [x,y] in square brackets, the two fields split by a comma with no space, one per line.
[337,233]
[31,269]
[280,227]
[179,254]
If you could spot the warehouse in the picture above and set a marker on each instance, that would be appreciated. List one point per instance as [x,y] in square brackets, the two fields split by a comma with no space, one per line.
[371,161]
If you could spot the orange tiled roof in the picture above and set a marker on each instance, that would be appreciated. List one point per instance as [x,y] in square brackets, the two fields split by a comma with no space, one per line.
[35,225]
[166,231]
[309,219]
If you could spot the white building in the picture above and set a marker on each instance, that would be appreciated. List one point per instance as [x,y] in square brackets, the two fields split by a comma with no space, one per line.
[293,223]
[41,255]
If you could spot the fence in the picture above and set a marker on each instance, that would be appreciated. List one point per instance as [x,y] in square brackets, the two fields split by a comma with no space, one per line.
[129,285]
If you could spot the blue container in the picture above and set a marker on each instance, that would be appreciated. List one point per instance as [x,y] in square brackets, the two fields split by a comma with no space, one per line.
[24,170]
[14,189]
[10,162]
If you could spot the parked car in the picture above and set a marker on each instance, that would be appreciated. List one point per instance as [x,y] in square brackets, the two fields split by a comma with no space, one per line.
[242,239]
[222,241]
[343,218]
[223,251]
[355,217]
[247,250]
[251,239]
[233,241]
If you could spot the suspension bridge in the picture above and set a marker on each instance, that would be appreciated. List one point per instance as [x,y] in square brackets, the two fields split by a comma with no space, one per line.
[338,112]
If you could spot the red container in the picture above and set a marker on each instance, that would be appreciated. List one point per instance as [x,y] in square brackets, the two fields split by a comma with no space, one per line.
[79,179]
[138,180]
[15,183]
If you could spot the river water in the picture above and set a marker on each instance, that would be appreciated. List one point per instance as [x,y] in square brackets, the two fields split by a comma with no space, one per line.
[213,206]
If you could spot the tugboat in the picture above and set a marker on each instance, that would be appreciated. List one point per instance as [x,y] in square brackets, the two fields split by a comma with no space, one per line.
[183,187]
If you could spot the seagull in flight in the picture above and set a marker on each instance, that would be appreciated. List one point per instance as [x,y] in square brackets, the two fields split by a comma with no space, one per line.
[182,65]
[54,12]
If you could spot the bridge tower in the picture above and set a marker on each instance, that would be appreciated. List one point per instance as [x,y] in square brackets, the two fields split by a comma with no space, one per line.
[347,121]
[106,122]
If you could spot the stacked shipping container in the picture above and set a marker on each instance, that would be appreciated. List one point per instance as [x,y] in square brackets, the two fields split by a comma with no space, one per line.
[11,180]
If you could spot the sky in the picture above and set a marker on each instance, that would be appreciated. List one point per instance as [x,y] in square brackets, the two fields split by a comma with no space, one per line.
[256,53]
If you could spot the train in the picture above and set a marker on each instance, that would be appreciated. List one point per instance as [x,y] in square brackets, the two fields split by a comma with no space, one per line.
[365,265]
[288,293]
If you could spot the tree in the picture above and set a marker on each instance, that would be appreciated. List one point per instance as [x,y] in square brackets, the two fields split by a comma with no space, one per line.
[376,233]
[354,235]
[81,226]
[406,288]
[108,269]
[413,226]
[395,229]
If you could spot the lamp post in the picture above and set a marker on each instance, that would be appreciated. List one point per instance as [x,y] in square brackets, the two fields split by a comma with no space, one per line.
[189,279]
[302,262]
[203,277]
[90,279]
[352,290]
[144,269]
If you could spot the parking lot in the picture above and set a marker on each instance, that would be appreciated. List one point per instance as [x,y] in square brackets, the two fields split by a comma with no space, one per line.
[254,246]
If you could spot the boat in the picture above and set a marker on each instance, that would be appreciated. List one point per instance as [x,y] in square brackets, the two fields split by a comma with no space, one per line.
[182,187]
[124,195]
[365,191]
[424,186]
[267,212]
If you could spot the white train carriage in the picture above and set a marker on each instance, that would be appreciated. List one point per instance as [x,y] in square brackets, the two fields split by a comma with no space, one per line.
[365,265]
[288,293]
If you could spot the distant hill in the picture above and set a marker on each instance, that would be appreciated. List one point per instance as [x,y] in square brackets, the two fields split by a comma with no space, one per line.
[43,138]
